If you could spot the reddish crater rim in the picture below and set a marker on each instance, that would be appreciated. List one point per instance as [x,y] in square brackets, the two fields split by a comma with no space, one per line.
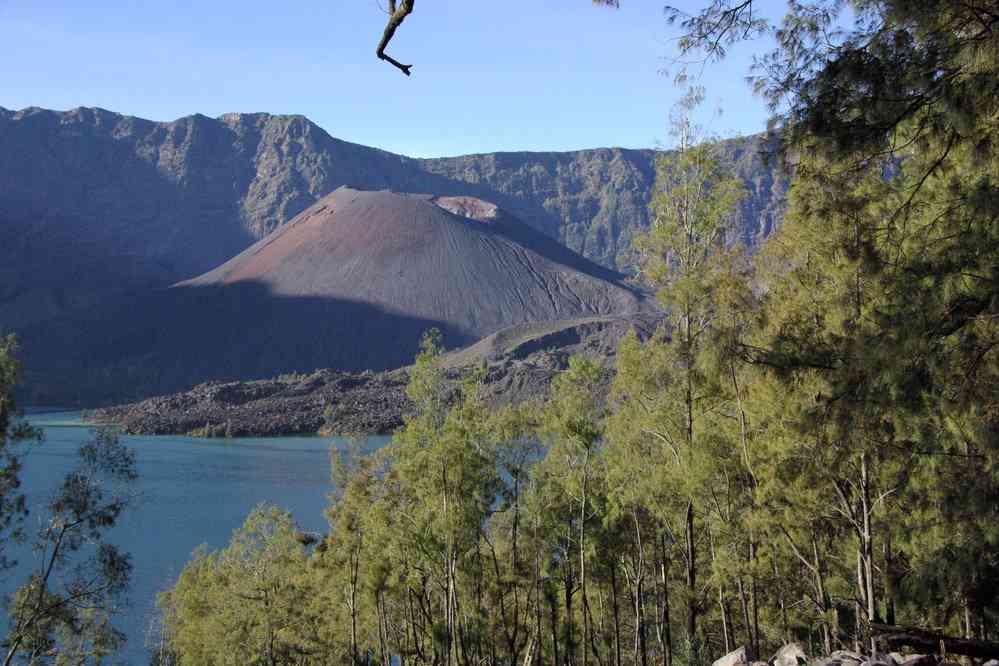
[470,207]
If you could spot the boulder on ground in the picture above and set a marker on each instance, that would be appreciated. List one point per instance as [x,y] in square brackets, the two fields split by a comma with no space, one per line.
[878,660]
[792,654]
[733,658]
[921,660]
[837,658]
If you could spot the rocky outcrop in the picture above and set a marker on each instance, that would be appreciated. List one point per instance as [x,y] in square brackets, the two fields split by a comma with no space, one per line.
[850,658]
[520,364]
[736,657]
[794,654]
[368,403]
[791,654]
[598,199]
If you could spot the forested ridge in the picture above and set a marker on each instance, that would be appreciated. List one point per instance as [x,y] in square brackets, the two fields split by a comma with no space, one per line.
[806,451]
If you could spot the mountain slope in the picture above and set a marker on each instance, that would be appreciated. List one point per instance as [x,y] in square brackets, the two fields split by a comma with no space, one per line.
[351,283]
[411,254]
[94,205]
[598,199]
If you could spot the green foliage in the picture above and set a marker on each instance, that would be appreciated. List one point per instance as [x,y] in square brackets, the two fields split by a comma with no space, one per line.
[806,446]
[243,604]
[63,611]
[15,436]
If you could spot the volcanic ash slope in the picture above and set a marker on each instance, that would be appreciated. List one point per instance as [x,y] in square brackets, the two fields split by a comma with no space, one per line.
[351,283]
[456,261]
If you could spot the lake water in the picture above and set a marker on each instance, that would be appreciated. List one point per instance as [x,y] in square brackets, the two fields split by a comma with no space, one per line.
[192,491]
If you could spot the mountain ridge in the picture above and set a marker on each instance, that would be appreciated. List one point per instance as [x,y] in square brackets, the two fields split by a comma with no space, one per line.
[96,204]
[228,116]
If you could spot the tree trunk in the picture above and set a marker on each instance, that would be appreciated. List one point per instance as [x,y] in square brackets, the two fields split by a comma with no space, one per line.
[354,571]
[866,604]
[554,620]
[930,641]
[858,630]
[667,631]
[570,639]
[582,567]
[538,600]
[754,602]
[382,627]
[745,612]
[889,581]
[353,622]
[691,579]
[868,545]
[617,616]
[829,629]
[723,609]
[781,604]
[640,627]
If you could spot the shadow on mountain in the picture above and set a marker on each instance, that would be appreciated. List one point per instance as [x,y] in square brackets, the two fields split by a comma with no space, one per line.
[551,249]
[90,214]
[174,338]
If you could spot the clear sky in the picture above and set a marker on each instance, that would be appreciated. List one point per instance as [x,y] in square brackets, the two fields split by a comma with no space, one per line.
[487,76]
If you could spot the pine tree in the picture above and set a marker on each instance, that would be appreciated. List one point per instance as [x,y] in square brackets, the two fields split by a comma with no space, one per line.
[15,436]
[666,395]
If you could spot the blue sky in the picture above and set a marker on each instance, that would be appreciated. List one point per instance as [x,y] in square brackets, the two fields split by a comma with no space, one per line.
[517,75]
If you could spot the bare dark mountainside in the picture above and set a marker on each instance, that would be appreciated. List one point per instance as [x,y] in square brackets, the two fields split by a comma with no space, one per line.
[94,204]
[598,199]
[352,283]
[520,363]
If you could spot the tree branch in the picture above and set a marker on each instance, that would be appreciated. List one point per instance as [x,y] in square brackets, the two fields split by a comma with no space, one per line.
[396,16]
[922,639]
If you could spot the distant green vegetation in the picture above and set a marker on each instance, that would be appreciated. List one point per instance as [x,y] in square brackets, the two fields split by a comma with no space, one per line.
[809,447]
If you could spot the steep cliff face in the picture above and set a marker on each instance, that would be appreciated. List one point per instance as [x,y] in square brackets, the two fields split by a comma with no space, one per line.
[94,204]
[598,199]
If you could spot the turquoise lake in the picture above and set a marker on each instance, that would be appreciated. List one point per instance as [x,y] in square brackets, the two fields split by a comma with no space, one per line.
[191,491]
